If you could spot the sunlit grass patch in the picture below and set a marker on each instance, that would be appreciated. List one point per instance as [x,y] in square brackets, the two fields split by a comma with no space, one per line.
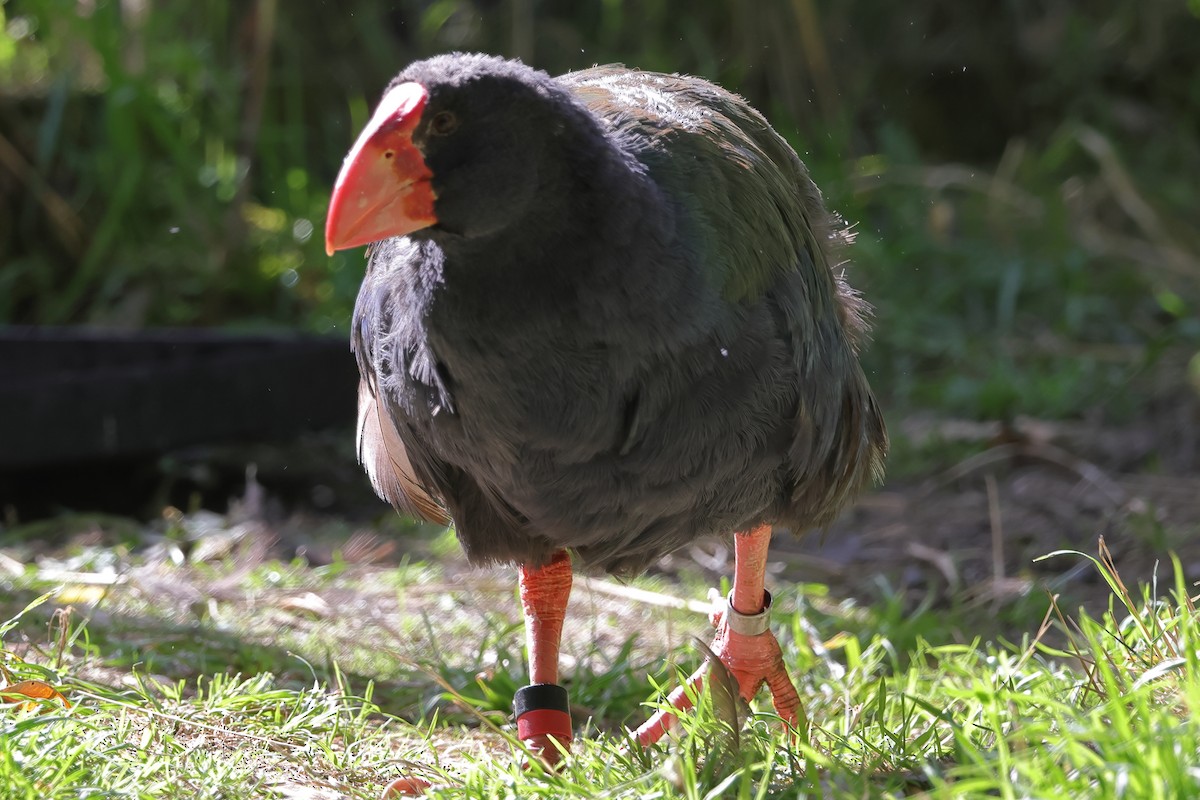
[1083,706]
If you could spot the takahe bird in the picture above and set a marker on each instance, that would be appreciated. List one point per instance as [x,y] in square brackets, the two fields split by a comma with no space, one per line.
[604,315]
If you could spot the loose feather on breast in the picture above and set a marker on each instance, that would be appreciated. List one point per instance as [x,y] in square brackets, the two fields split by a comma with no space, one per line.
[383,455]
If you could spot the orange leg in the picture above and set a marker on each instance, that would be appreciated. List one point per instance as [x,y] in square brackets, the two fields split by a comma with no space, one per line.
[541,708]
[743,643]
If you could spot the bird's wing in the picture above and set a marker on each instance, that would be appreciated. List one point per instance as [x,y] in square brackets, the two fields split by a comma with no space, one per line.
[749,214]
[750,209]
[381,449]
[383,455]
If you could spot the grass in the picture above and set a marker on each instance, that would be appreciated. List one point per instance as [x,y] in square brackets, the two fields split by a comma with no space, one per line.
[274,697]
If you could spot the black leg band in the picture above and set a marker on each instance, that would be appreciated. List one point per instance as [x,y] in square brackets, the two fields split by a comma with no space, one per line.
[543,708]
[541,696]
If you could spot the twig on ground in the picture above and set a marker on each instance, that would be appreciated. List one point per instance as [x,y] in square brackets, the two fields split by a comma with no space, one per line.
[644,596]
[1040,451]
[997,527]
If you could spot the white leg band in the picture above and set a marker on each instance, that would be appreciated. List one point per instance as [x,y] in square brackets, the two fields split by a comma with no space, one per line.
[748,624]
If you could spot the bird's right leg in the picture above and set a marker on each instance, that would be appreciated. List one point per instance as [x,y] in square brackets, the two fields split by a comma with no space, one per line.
[542,712]
[543,715]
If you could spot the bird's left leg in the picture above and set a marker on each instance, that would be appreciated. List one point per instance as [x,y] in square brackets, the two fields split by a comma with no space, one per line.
[542,712]
[744,642]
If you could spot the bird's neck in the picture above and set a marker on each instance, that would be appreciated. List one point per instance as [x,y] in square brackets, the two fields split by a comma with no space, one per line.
[590,194]
[590,250]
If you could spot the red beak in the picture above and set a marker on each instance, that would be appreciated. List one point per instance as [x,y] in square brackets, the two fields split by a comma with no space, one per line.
[383,189]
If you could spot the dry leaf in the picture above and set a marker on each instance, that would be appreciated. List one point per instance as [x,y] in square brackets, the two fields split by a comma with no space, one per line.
[82,594]
[307,603]
[726,697]
[29,693]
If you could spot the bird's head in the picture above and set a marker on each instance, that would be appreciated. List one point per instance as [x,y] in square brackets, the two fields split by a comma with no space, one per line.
[456,142]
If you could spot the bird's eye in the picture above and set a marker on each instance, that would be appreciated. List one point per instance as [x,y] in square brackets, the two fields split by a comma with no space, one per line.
[443,123]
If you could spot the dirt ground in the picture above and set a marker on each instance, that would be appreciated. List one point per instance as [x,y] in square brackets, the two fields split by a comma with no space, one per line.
[976,529]
[967,535]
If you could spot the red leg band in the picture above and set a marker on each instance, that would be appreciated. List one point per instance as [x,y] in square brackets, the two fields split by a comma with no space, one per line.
[544,721]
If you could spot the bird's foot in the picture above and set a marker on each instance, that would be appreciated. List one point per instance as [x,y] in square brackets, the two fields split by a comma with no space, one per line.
[544,721]
[751,654]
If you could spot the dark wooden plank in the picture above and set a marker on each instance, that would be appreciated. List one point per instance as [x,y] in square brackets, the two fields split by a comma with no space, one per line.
[77,394]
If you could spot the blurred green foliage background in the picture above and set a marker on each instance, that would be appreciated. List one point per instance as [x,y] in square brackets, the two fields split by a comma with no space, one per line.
[1023,176]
